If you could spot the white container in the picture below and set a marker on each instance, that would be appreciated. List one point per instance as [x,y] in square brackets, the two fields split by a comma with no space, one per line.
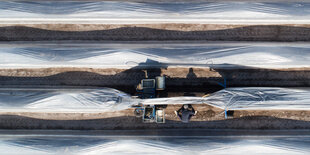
[160,83]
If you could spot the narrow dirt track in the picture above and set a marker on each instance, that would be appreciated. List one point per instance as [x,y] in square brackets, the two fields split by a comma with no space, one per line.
[132,32]
[207,118]
[204,80]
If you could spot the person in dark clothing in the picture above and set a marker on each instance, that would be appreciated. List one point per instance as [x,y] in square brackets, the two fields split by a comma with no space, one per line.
[185,113]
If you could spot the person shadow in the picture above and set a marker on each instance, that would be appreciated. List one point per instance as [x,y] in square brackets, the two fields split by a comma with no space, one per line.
[191,74]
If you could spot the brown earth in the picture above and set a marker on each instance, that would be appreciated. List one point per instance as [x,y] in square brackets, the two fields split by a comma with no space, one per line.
[207,117]
[179,81]
[172,31]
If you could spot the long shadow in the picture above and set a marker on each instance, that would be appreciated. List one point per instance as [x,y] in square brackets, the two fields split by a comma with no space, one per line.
[127,80]
[131,122]
[245,33]
[238,75]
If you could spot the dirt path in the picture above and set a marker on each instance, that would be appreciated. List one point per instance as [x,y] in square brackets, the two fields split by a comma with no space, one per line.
[179,81]
[132,32]
[207,117]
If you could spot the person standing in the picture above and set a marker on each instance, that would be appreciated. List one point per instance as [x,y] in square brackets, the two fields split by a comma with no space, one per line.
[185,113]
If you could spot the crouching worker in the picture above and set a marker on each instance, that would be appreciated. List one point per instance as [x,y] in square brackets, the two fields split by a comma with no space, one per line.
[185,113]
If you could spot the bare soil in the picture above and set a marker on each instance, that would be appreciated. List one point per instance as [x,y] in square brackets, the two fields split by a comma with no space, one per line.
[179,81]
[172,31]
[207,117]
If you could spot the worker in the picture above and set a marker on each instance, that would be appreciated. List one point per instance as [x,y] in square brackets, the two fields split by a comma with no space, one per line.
[185,113]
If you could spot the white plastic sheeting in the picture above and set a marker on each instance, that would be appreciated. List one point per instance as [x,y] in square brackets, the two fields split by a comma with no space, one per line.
[173,100]
[157,144]
[63,100]
[106,99]
[261,98]
[247,98]
[142,12]
[115,55]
